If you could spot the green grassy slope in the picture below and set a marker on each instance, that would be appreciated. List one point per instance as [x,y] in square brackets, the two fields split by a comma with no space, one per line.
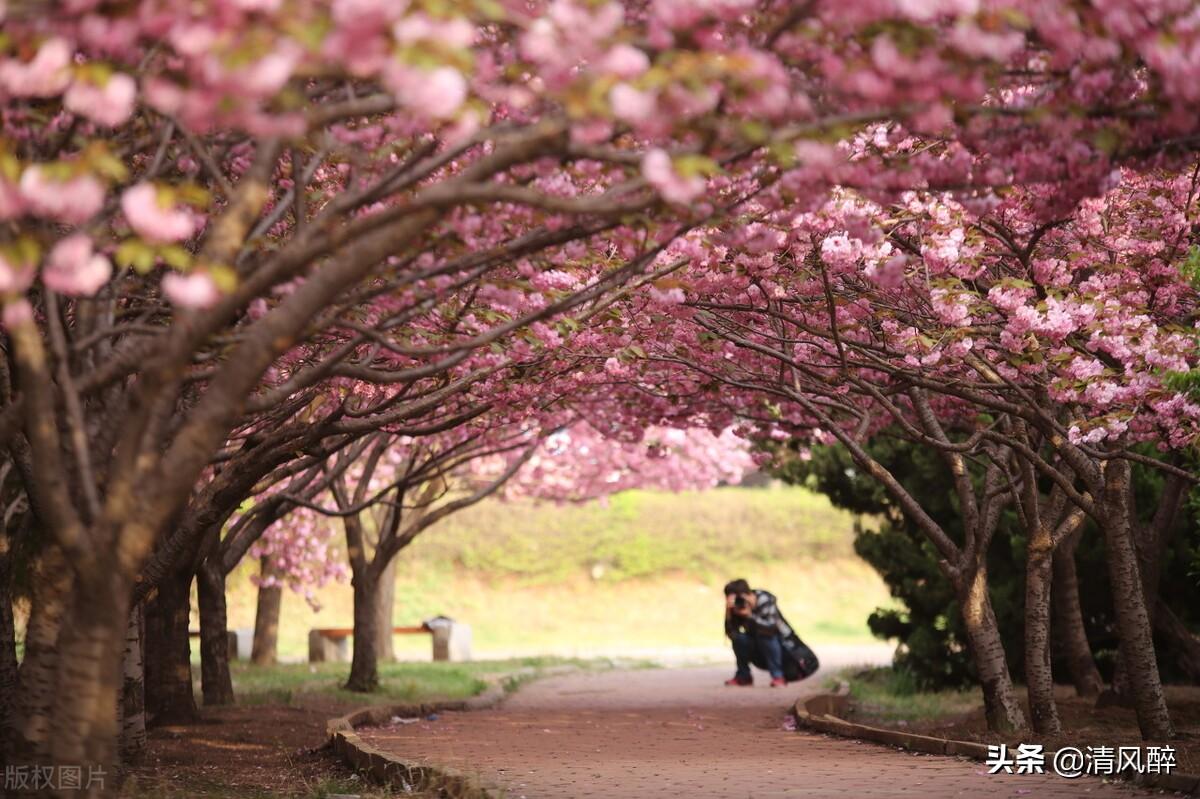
[642,571]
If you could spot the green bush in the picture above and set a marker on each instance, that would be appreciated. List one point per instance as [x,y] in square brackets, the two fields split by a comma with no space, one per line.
[932,647]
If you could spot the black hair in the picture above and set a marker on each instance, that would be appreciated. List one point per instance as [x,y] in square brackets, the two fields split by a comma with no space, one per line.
[738,586]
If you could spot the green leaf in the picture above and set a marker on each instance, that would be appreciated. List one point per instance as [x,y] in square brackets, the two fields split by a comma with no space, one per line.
[1106,140]
[135,254]
[696,165]
[176,257]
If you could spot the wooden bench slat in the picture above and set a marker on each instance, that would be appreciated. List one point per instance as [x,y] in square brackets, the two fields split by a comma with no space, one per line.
[335,633]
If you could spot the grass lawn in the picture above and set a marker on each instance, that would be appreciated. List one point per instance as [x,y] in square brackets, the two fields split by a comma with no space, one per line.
[301,683]
[885,698]
[573,580]
[888,696]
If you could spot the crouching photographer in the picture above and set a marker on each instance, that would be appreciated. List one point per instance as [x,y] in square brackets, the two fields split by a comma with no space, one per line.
[752,622]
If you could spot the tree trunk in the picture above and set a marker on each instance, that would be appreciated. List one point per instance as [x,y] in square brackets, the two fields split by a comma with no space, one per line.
[84,723]
[216,683]
[266,618]
[1183,643]
[385,597]
[167,653]
[8,652]
[364,665]
[1068,621]
[1133,622]
[133,691]
[987,652]
[1039,677]
[52,590]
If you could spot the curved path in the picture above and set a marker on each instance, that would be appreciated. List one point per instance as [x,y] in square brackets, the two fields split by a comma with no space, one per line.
[679,732]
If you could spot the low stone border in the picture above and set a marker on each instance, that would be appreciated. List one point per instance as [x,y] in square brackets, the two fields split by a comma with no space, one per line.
[823,713]
[389,769]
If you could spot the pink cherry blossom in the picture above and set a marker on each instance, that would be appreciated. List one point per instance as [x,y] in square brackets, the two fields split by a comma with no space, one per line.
[74,268]
[436,94]
[148,218]
[264,6]
[14,277]
[455,32]
[267,75]
[674,188]
[195,290]
[11,204]
[110,104]
[45,76]
[625,61]
[72,201]
[632,105]
[16,312]
[671,296]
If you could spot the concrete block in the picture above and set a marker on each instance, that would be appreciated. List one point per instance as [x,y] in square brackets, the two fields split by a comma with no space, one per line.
[241,641]
[451,639]
[325,650]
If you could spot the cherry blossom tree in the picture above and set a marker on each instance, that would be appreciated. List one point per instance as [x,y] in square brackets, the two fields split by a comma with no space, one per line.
[1050,343]
[236,230]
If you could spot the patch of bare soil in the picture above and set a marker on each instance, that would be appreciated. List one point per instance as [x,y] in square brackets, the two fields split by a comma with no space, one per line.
[1084,724]
[245,751]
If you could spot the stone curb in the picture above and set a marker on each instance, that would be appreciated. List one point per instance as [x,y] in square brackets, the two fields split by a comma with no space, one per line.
[389,769]
[823,713]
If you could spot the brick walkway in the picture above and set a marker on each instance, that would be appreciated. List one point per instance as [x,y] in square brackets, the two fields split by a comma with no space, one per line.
[680,733]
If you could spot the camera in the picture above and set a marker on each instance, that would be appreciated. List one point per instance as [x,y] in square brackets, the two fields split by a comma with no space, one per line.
[739,602]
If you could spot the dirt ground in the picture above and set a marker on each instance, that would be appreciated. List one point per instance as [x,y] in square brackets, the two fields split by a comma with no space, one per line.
[246,751]
[1083,722]
[680,732]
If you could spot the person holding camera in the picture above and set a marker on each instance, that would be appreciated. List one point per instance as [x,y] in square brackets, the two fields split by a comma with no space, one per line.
[752,623]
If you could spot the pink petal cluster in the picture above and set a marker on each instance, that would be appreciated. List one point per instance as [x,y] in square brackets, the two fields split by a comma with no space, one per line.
[14,277]
[150,220]
[11,204]
[45,76]
[625,61]
[455,32]
[74,267]
[674,188]
[194,290]
[109,105]
[632,105]
[435,94]
[72,201]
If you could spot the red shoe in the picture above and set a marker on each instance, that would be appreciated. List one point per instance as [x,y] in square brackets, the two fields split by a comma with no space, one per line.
[740,681]
[778,682]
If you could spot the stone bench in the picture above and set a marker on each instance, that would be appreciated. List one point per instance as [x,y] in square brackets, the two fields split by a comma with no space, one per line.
[240,642]
[451,641]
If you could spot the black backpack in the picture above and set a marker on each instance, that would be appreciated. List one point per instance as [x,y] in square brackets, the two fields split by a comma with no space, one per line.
[799,661]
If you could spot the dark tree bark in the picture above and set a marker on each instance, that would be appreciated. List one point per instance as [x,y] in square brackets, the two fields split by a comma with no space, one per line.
[1133,621]
[1001,707]
[91,642]
[1039,678]
[1150,542]
[364,664]
[167,655]
[9,681]
[133,691]
[1068,621]
[1182,642]
[385,598]
[52,593]
[1039,515]
[266,619]
[216,683]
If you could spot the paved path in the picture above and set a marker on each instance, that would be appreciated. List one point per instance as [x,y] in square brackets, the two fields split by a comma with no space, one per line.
[679,732]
